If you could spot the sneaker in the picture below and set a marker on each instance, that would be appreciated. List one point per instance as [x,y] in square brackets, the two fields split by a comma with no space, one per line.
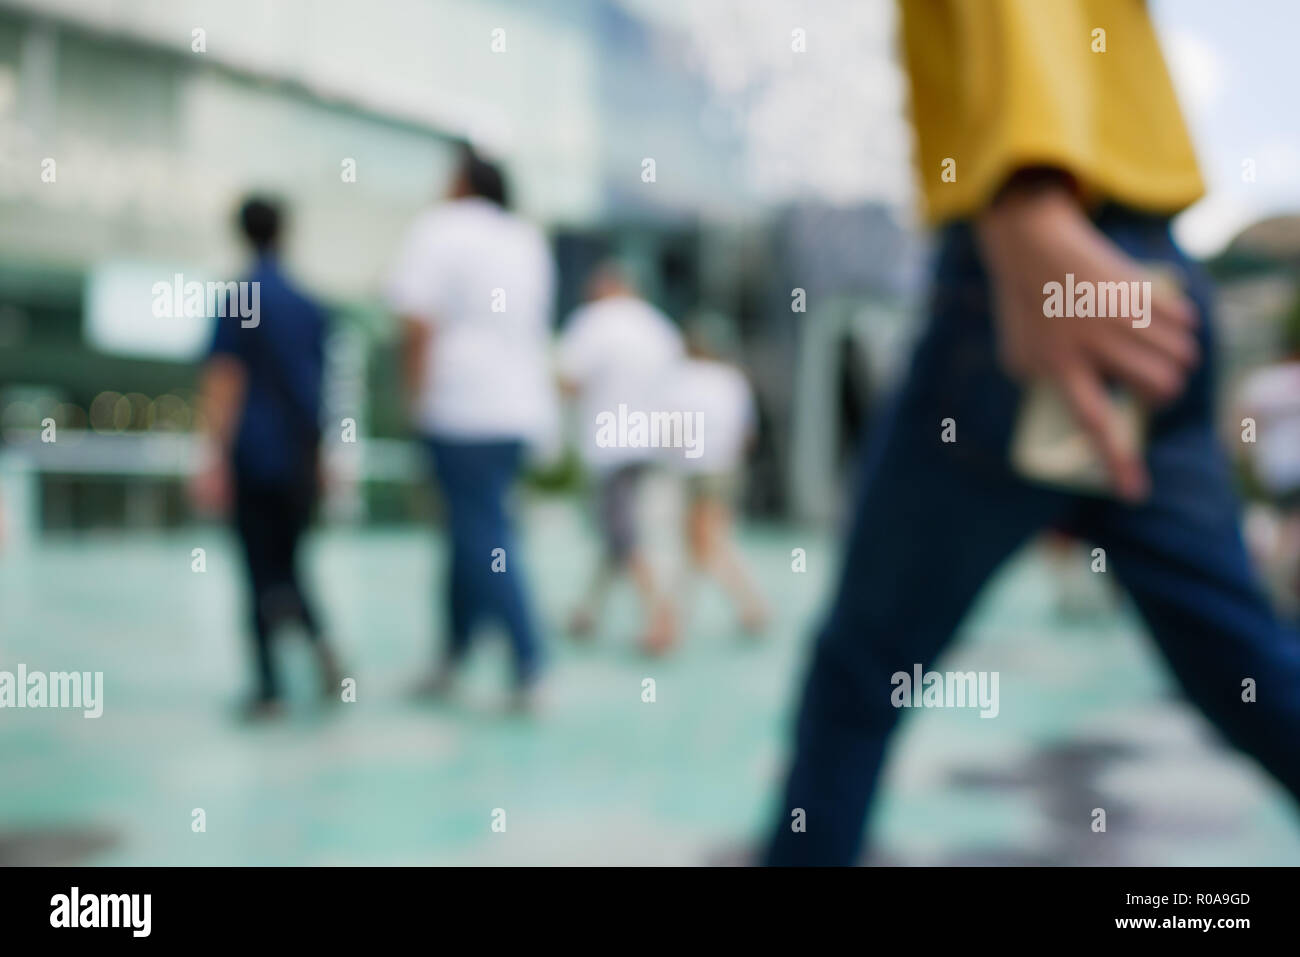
[526,700]
[754,621]
[436,684]
[661,636]
[261,709]
[582,626]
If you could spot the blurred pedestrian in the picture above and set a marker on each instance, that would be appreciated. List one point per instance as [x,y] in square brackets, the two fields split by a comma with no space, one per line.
[1270,396]
[261,402]
[1043,160]
[719,394]
[473,284]
[615,351]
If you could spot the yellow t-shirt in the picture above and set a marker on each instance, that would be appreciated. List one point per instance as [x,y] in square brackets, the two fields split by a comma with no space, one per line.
[998,85]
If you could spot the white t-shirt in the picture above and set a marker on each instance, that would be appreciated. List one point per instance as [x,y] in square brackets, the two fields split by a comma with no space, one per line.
[617,351]
[1272,396]
[719,397]
[484,281]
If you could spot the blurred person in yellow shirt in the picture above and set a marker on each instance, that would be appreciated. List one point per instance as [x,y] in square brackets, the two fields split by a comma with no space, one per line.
[1051,154]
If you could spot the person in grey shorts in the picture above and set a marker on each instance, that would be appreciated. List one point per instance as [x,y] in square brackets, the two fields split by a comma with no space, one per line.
[613,355]
[618,494]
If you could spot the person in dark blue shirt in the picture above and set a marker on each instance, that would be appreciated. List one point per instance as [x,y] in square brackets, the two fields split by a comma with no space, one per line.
[261,399]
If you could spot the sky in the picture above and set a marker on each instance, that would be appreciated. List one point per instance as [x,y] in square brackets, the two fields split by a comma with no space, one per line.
[1237,70]
[830,124]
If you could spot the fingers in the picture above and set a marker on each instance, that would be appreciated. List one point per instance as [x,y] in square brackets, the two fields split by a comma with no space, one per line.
[1156,358]
[1096,414]
[1176,343]
[1152,373]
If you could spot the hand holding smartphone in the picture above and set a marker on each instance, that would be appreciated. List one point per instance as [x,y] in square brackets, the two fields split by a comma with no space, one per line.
[1050,447]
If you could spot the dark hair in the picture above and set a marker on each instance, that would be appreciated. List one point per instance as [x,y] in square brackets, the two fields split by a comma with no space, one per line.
[483,178]
[259,220]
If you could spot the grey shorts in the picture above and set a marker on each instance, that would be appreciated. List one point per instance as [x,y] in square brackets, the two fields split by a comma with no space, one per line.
[617,497]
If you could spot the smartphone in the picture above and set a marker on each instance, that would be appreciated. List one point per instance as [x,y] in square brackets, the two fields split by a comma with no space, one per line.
[1049,447]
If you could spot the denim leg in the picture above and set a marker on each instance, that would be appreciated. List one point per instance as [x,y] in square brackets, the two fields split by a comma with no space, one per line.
[926,535]
[476,478]
[1182,558]
[507,590]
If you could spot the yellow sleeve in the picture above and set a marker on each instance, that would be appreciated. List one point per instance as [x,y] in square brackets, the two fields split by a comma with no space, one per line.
[997,85]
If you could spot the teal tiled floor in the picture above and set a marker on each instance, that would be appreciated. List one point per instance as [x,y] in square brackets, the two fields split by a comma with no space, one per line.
[1087,719]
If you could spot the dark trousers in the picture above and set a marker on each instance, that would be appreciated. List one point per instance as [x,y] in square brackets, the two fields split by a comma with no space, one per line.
[270,520]
[484,584]
[933,521]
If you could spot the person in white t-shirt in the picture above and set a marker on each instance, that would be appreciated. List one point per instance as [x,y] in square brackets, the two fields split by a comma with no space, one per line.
[613,356]
[473,284]
[719,397]
[1271,396]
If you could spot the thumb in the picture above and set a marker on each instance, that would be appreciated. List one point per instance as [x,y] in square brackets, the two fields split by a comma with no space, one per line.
[1096,414]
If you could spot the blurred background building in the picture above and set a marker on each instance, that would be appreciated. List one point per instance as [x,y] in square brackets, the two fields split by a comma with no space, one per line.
[156,117]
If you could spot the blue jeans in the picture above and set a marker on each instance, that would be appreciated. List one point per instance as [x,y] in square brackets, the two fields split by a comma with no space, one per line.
[485,584]
[933,520]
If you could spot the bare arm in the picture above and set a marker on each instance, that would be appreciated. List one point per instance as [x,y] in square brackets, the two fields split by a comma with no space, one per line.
[221,397]
[222,387]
